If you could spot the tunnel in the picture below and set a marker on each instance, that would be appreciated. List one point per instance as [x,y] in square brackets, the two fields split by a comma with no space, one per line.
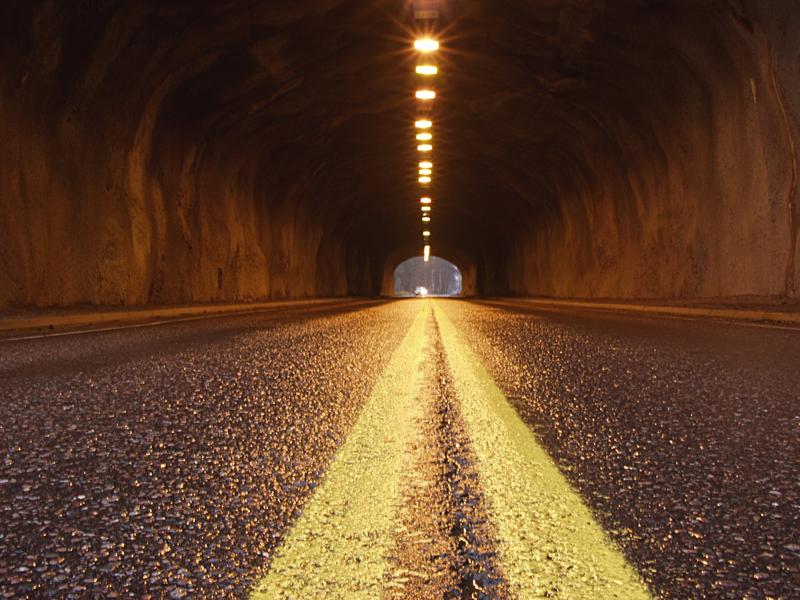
[162,153]
[409,299]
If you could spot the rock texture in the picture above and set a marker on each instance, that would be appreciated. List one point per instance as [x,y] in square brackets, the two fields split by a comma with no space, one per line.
[634,149]
[200,151]
[188,151]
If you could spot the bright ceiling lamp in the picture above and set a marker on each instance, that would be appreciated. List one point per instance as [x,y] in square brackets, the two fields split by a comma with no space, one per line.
[423,137]
[427,70]
[425,164]
[426,171]
[425,179]
[426,219]
[426,208]
[426,45]
[426,252]
[425,200]
[425,94]
[422,124]
[424,147]
[426,233]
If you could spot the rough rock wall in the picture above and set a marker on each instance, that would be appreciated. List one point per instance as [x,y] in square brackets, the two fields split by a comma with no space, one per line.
[154,153]
[200,150]
[90,219]
[676,177]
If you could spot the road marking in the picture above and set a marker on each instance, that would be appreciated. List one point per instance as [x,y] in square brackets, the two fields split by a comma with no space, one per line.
[340,544]
[547,539]
[548,542]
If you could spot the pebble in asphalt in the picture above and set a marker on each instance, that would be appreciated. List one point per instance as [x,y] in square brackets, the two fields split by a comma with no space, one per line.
[683,436]
[169,461]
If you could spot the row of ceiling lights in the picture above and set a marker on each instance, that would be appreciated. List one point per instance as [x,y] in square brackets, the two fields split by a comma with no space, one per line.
[424,131]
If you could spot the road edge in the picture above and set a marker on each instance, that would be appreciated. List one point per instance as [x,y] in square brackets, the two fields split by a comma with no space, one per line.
[744,315]
[53,322]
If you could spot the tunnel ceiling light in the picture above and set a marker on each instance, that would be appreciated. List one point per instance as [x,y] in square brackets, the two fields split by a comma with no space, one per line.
[424,147]
[426,171]
[425,179]
[427,70]
[426,208]
[426,45]
[426,233]
[425,94]
[424,136]
[423,124]
[426,164]
[426,252]
[425,200]
[426,219]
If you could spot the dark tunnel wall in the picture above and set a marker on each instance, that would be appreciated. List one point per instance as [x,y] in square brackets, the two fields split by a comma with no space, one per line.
[196,151]
[666,157]
[190,151]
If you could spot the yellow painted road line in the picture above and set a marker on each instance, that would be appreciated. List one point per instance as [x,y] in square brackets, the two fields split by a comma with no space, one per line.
[339,546]
[549,544]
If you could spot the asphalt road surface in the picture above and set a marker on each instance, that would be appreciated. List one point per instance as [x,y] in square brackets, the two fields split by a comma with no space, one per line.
[409,449]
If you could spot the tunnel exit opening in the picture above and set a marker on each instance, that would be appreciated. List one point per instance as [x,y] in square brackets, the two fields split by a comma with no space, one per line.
[435,277]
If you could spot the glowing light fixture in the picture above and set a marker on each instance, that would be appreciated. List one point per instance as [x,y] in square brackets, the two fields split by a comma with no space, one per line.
[426,45]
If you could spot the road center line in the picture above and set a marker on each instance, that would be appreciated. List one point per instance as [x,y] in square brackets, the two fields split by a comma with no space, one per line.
[340,544]
[548,541]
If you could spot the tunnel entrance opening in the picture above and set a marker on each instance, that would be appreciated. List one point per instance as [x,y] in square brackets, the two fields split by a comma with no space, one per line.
[435,277]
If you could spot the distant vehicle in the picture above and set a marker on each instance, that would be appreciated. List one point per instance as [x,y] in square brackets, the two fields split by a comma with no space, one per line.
[420,291]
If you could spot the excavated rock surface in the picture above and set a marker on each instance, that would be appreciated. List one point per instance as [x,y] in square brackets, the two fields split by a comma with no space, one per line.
[206,150]
[636,149]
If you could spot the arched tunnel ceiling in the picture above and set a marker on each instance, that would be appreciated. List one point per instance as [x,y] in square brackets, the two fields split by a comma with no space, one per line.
[176,151]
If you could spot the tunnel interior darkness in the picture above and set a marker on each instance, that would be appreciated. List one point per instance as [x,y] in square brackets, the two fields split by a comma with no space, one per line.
[434,277]
[202,151]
